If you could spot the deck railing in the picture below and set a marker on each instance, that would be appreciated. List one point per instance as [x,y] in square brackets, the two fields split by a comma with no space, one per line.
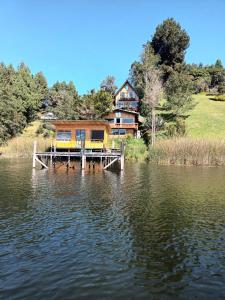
[124,125]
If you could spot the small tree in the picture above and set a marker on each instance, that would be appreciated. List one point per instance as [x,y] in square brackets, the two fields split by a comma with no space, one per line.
[95,104]
[108,84]
[153,87]
[153,94]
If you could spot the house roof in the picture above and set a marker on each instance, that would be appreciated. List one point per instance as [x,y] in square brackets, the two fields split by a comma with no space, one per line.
[125,83]
[80,122]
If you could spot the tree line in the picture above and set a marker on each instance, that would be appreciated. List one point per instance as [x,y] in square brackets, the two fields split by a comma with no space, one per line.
[165,83]
[162,79]
[24,96]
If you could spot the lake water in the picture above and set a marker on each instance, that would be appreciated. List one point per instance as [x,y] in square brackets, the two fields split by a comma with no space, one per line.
[152,232]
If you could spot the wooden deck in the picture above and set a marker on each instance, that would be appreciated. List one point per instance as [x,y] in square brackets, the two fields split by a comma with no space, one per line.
[107,157]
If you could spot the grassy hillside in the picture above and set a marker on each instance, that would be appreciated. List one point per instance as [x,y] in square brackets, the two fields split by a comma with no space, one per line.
[207,120]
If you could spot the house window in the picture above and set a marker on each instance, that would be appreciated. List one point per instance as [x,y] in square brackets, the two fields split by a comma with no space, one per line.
[120,104]
[118,114]
[97,135]
[128,120]
[134,104]
[80,135]
[118,131]
[115,131]
[122,131]
[63,135]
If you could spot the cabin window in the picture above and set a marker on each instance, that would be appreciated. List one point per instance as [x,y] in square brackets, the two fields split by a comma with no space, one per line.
[118,115]
[63,135]
[97,135]
[80,134]
[128,120]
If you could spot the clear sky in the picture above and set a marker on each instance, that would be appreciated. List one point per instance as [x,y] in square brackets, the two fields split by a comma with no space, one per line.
[86,40]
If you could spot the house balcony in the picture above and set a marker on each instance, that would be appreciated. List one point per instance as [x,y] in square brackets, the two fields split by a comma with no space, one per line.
[124,125]
[128,105]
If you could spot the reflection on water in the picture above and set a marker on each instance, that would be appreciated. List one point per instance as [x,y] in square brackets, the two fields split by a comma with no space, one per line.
[152,232]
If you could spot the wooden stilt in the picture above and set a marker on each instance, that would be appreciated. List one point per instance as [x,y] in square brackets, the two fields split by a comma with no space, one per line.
[110,163]
[68,162]
[122,156]
[41,162]
[51,154]
[83,161]
[34,154]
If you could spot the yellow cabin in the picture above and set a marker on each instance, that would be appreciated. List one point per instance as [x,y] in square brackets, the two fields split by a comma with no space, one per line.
[87,134]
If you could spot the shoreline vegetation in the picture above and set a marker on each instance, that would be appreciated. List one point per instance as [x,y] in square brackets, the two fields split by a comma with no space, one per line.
[204,144]
[184,151]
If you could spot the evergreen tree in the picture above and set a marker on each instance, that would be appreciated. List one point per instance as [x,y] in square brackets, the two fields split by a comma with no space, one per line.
[95,105]
[179,89]
[170,42]
[108,84]
[64,100]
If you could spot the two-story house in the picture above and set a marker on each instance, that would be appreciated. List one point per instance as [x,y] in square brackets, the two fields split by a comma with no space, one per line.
[125,118]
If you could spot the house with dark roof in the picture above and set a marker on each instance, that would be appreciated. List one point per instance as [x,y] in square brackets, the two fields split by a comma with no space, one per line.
[125,119]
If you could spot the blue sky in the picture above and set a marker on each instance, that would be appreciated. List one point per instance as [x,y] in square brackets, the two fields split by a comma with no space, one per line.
[86,40]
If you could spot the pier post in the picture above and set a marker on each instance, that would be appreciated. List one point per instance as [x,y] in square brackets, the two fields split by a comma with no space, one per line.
[68,163]
[83,160]
[122,156]
[34,154]
[51,154]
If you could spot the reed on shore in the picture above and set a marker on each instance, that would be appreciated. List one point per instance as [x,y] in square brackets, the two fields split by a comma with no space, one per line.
[187,151]
[23,146]
[175,151]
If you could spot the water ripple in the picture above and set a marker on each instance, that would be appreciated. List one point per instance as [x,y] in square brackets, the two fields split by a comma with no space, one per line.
[148,233]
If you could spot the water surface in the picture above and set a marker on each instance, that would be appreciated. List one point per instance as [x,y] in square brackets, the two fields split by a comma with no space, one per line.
[152,232]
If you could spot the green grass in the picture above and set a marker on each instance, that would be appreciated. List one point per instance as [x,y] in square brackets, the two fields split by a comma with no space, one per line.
[207,119]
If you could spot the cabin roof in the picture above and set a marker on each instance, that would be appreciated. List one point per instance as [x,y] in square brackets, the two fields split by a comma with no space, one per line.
[126,82]
[80,122]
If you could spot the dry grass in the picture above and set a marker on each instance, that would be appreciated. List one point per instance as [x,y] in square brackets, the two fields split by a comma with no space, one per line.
[23,146]
[187,151]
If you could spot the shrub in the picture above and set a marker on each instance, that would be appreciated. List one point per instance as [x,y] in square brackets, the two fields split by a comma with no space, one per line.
[221,88]
[218,98]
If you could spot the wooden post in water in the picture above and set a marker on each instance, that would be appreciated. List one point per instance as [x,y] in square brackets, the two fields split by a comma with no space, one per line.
[34,154]
[68,163]
[83,160]
[51,154]
[122,156]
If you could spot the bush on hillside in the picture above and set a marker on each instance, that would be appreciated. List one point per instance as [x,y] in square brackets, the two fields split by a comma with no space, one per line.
[218,98]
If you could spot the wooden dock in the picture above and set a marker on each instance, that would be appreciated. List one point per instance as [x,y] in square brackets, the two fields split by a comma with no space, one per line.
[107,157]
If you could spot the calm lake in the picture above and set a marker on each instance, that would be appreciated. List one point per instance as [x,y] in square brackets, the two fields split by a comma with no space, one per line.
[152,232]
